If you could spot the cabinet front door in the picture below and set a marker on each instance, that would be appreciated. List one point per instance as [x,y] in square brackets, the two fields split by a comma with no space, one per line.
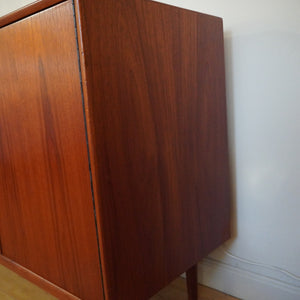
[47,220]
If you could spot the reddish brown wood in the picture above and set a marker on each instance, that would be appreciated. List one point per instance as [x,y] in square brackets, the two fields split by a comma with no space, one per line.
[39,281]
[26,11]
[154,88]
[192,283]
[157,112]
[47,222]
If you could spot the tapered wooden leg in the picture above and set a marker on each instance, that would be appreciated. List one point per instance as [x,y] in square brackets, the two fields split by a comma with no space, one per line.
[192,283]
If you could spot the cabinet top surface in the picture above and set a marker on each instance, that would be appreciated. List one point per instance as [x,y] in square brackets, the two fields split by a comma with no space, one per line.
[39,5]
[26,11]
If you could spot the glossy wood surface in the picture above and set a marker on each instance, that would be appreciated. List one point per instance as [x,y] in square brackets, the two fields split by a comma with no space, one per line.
[26,11]
[156,110]
[47,219]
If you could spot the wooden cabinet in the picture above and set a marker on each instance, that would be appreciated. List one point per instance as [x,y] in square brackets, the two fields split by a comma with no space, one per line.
[113,145]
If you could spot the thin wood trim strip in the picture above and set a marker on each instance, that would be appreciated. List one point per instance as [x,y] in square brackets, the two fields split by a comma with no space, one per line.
[37,280]
[26,11]
[90,135]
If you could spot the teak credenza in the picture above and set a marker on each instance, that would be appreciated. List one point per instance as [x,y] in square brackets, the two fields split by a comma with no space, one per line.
[113,146]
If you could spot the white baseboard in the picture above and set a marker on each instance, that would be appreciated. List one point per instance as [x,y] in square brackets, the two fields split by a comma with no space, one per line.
[244,284]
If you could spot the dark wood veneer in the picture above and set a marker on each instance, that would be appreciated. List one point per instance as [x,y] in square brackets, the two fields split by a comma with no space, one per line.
[157,113]
[153,83]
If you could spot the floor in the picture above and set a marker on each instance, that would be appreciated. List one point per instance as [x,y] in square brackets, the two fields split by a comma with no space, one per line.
[177,291]
[14,287]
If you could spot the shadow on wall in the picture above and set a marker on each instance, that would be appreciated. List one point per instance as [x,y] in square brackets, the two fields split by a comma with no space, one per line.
[231,129]
[263,92]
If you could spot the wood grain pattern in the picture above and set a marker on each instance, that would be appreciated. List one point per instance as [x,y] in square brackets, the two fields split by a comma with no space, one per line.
[26,11]
[157,113]
[46,212]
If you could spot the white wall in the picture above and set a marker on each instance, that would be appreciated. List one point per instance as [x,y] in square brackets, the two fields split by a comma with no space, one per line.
[262,45]
[7,6]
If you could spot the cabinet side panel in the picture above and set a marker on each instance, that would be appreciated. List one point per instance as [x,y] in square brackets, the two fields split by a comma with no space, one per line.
[156,101]
[47,222]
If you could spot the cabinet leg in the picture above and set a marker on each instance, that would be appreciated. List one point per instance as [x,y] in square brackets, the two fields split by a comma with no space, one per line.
[192,283]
